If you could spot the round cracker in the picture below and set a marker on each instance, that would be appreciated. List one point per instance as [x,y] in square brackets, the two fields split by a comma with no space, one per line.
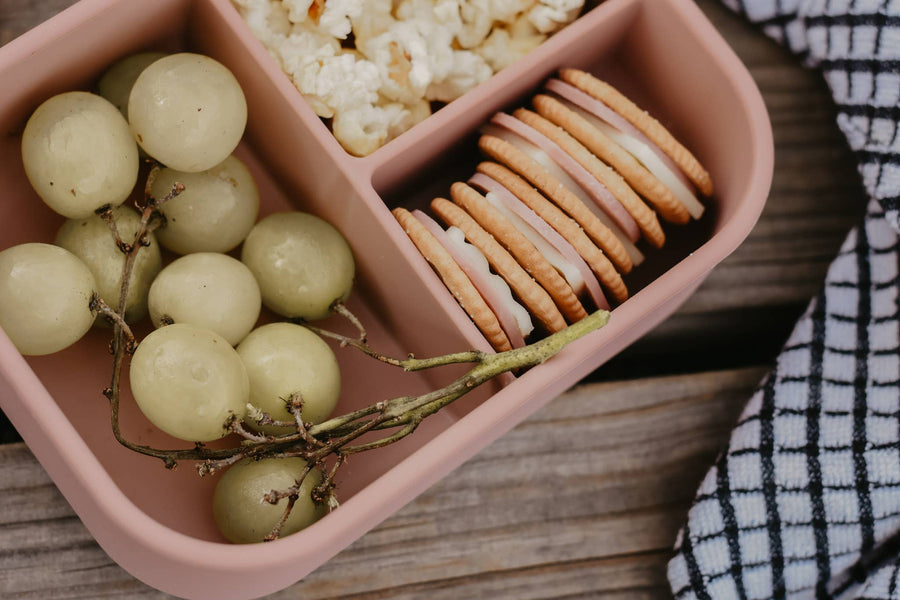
[638,177]
[455,279]
[500,241]
[653,129]
[563,224]
[640,212]
[507,154]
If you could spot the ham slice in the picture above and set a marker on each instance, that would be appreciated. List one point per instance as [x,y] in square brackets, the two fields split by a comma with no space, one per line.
[513,317]
[560,253]
[632,140]
[544,160]
[593,187]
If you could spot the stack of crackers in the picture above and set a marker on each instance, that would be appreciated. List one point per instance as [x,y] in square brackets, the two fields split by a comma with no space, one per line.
[545,230]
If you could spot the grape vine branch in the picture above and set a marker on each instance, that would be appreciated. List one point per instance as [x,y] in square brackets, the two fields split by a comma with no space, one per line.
[338,436]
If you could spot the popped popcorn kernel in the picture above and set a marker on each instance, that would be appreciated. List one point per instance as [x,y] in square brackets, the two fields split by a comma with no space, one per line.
[267,20]
[336,18]
[364,129]
[501,48]
[298,10]
[401,55]
[376,18]
[468,70]
[550,15]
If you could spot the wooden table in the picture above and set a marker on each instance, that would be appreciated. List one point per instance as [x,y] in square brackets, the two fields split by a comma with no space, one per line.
[582,500]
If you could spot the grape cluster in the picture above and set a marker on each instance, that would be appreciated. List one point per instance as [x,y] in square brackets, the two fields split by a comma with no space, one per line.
[198,370]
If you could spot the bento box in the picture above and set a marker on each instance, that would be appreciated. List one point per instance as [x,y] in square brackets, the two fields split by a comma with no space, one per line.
[158,524]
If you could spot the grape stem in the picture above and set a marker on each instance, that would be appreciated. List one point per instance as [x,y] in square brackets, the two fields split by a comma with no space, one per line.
[116,320]
[341,309]
[123,339]
[337,437]
[410,363]
[292,494]
[106,213]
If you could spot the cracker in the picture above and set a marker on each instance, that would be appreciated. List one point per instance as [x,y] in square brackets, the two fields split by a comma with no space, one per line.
[564,225]
[636,174]
[507,154]
[486,228]
[653,129]
[455,279]
[640,212]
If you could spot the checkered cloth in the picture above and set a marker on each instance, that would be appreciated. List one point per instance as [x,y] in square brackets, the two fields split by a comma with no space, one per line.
[805,502]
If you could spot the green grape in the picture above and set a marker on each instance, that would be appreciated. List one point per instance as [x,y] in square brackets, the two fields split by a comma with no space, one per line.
[90,240]
[207,290]
[214,213]
[188,381]
[282,359]
[45,296]
[241,513]
[116,83]
[187,111]
[79,154]
[302,263]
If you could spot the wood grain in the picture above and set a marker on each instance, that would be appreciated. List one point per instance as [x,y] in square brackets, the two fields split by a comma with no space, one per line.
[580,500]
[18,16]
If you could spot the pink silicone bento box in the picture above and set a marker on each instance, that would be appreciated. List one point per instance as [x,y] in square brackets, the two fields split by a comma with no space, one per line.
[157,524]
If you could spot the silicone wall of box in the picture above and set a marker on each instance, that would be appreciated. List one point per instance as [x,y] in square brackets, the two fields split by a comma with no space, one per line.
[156,524]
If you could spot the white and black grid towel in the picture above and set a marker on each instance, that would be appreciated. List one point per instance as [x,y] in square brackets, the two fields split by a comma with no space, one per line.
[805,502]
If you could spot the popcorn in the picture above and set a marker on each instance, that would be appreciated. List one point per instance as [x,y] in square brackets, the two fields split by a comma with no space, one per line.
[302,55]
[453,72]
[431,14]
[550,15]
[267,20]
[522,27]
[414,113]
[331,16]
[298,10]
[336,18]
[476,22]
[446,12]
[506,11]
[344,82]
[502,48]
[437,27]
[468,70]
[407,53]
[401,55]
[375,19]
[363,130]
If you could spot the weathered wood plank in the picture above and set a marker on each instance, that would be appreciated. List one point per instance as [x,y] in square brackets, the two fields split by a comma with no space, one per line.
[581,499]
[18,16]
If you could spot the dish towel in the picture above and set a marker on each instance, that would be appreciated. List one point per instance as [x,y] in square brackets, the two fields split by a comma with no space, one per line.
[805,502]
